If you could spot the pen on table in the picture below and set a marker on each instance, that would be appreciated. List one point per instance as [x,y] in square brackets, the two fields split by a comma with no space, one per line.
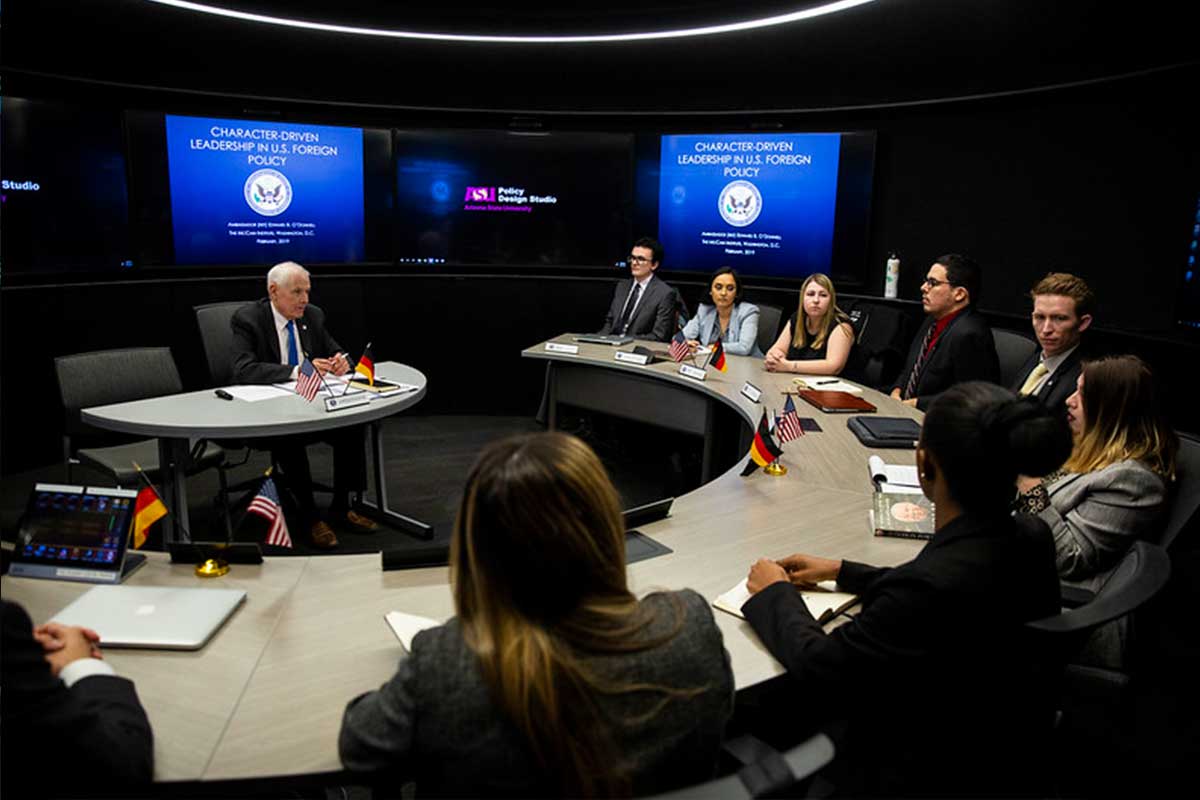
[824,383]
[224,395]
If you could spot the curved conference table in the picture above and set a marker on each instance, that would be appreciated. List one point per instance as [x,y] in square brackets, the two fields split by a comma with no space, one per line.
[178,420]
[265,696]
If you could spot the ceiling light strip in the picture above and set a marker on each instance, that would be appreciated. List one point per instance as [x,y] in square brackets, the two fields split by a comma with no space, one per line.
[709,30]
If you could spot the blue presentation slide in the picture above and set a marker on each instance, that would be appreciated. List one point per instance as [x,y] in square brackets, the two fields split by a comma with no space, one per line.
[762,203]
[245,192]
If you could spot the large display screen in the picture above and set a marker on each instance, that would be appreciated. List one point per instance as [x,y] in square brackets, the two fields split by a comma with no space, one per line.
[504,197]
[64,199]
[256,192]
[780,205]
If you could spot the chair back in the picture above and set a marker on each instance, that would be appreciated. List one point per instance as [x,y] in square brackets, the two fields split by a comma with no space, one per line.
[769,320]
[1185,495]
[881,335]
[215,321]
[1138,577]
[1013,350]
[102,377]
[765,771]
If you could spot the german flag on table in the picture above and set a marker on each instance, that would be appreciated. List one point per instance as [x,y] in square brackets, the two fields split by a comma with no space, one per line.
[148,509]
[366,366]
[717,359]
[763,451]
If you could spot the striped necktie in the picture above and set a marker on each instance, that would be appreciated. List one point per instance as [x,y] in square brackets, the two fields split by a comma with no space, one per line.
[914,377]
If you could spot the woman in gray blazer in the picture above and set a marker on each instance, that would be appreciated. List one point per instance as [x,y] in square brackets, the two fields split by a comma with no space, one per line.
[729,319]
[553,678]
[1112,490]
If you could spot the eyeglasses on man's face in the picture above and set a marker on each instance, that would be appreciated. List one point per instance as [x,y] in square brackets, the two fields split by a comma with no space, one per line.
[933,283]
[638,259]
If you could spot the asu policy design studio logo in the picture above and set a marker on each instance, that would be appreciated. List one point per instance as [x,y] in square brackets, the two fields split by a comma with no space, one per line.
[268,192]
[740,203]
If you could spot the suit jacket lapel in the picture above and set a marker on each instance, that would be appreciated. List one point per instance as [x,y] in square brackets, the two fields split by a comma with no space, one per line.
[272,336]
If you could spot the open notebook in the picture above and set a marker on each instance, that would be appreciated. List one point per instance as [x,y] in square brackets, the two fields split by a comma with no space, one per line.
[824,601]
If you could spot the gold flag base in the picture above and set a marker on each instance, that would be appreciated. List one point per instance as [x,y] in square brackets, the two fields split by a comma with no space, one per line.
[212,568]
[775,468]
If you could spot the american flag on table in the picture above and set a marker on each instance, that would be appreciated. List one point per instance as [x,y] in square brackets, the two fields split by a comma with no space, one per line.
[308,381]
[789,427]
[266,505]
[679,348]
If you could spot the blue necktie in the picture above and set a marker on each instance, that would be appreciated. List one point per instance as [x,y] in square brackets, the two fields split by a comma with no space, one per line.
[293,354]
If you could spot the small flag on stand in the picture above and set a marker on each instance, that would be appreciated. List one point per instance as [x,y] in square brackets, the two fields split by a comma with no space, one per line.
[679,348]
[763,451]
[717,359]
[266,505]
[366,366]
[148,509]
[308,381]
[789,426]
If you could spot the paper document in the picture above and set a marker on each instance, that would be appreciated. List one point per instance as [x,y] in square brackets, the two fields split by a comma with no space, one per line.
[824,601]
[826,384]
[893,477]
[406,626]
[252,394]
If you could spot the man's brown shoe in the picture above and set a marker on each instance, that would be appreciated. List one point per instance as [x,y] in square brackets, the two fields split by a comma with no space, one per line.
[323,537]
[360,524]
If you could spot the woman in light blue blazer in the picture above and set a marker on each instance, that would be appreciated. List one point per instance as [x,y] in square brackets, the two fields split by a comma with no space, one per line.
[733,322]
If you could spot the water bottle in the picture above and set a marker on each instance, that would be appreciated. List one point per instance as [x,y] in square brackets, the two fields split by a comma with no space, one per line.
[891,281]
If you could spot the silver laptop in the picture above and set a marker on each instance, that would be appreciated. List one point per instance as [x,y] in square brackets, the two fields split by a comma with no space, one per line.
[76,533]
[164,617]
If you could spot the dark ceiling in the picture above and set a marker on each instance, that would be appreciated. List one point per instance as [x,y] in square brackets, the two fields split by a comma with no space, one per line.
[885,52]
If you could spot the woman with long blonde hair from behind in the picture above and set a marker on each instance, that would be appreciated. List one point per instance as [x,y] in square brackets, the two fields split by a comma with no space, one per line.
[553,678]
[818,337]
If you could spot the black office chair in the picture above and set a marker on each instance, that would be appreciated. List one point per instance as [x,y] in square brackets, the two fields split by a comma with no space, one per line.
[765,772]
[770,318]
[117,376]
[1013,350]
[1185,494]
[881,344]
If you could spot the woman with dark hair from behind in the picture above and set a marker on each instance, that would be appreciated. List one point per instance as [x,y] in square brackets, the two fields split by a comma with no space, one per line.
[942,693]
[553,679]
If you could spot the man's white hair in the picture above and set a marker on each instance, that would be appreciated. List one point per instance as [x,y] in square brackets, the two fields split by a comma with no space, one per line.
[284,273]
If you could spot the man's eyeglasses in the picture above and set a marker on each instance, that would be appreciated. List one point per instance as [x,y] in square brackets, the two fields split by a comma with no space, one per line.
[933,283]
[638,260]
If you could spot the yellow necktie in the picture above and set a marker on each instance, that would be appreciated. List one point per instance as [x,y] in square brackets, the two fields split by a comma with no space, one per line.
[1034,378]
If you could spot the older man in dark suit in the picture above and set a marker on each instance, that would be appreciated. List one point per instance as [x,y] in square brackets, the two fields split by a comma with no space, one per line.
[1062,311]
[643,306]
[271,339]
[955,344]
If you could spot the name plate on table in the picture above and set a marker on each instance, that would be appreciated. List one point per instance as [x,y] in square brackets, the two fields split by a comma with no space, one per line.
[555,347]
[344,401]
[695,373]
[632,358]
[751,392]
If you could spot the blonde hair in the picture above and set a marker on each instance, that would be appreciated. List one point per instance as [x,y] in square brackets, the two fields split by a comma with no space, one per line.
[1123,419]
[832,317]
[537,561]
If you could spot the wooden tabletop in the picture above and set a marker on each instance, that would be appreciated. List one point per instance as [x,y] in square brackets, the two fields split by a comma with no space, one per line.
[266,695]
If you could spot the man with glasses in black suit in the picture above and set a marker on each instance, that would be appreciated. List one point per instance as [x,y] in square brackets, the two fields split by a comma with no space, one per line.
[644,306]
[955,343]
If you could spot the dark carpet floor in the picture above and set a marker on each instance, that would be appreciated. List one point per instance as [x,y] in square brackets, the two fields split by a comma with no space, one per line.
[427,463]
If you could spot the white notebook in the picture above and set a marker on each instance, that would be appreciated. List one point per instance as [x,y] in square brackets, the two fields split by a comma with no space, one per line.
[893,477]
[826,384]
[824,601]
[406,626]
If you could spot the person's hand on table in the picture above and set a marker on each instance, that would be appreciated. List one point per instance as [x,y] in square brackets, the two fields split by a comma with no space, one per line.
[895,395]
[910,402]
[1026,483]
[66,643]
[763,574]
[775,362]
[807,571]
[339,364]
[693,345]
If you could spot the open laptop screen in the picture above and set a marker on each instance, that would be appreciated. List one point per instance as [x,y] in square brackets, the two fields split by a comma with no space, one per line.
[74,526]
